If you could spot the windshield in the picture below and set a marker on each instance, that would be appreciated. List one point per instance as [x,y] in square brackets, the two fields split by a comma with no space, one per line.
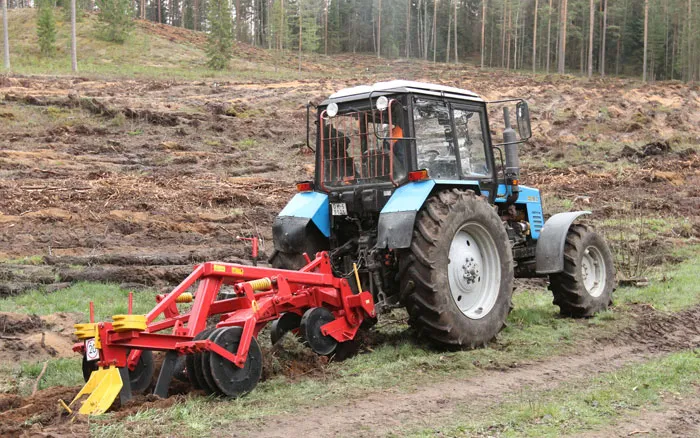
[362,146]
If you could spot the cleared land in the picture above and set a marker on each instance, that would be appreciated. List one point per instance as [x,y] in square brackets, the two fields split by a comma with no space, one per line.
[132,181]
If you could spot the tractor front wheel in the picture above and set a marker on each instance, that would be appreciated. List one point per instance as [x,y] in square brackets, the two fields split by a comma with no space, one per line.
[457,278]
[586,284]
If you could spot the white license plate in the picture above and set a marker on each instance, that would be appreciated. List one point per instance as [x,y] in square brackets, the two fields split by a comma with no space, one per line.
[339,209]
[91,352]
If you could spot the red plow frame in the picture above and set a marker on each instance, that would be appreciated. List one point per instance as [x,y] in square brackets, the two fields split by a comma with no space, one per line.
[261,295]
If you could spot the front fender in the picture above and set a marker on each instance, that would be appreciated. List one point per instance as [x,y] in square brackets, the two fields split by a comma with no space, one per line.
[549,254]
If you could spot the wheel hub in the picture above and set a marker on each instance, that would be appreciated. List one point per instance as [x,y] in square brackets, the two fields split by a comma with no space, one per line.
[474,271]
[593,271]
[471,270]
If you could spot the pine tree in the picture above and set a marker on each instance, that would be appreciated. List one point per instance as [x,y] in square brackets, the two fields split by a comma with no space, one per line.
[46,28]
[220,35]
[115,20]
[5,36]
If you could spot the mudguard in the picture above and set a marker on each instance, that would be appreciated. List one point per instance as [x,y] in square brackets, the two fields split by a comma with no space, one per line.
[549,254]
[303,220]
[395,228]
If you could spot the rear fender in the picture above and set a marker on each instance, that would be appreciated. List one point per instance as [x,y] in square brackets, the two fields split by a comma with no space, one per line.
[303,225]
[396,220]
[549,254]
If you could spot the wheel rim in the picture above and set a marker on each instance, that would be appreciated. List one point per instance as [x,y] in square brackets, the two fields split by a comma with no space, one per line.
[593,271]
[474,270]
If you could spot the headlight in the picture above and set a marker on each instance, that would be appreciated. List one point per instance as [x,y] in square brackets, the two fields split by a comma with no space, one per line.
[332,109]
[382,103]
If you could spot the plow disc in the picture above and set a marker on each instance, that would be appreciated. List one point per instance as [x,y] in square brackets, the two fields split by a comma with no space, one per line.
[224,360]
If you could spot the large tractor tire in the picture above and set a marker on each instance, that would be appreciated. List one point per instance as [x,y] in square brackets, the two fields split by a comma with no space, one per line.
[586,284]
[457,277]
[287,260]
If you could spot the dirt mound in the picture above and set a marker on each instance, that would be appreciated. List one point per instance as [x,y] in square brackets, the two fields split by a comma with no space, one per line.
[665,332]
[39,414]
[30,337]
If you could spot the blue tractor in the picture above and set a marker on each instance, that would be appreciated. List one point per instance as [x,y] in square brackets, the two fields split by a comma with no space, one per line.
[413,201]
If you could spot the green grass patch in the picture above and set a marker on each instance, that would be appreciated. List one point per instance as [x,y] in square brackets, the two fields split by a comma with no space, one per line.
[109,300]
[581,405]
[20,378]
[672,290]
[142,55]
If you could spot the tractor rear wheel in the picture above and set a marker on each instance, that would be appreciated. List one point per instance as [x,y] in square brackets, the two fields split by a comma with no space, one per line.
[287,260]
[586,284]
[457,278]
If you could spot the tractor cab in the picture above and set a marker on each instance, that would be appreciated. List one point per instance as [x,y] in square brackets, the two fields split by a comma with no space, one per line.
[373,139]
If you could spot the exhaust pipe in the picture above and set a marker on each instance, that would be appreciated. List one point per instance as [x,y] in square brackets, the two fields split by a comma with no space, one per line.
[512,171]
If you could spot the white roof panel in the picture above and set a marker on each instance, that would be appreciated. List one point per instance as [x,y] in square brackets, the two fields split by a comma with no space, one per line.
[404,86]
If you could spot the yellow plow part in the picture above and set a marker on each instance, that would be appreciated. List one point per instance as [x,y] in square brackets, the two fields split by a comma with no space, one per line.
[103,386]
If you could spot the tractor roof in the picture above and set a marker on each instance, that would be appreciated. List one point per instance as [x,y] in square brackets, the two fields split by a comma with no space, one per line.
[401,86]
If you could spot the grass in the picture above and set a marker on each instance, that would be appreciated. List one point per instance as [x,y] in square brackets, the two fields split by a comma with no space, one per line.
[109,300]
[20,378]
[143,55]
[673,290]
[582,405]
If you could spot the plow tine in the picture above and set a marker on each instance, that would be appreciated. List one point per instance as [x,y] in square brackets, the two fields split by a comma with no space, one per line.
[103,388]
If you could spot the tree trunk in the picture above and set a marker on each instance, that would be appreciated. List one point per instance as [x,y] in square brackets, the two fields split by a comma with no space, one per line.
[5,36]
[456,57]
[408,29]
[646,35]
[591,14]
[325,28]
[435,5]
[509,35]
[379,31]
[534,40]
[483,29]
[503,35]
[449,34]
[603,36]
[690,33]
[425,30]
[562,38]
[238,20]
[515,48]
[160,17]
[300,34]
[195,14]
[549,35]
[73,42]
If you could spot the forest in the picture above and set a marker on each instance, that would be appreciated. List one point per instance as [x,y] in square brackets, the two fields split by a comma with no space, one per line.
[659,39]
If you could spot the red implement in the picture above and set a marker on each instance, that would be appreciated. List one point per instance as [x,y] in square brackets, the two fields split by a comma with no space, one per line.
[219,357]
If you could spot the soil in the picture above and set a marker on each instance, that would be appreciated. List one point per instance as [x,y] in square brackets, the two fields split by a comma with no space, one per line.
[134,181]
[34,338]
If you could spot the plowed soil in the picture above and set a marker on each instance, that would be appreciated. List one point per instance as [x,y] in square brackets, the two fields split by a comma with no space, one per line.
[99,176]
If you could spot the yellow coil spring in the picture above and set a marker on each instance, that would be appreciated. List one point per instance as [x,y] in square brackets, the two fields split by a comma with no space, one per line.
[184,298]
[261,284]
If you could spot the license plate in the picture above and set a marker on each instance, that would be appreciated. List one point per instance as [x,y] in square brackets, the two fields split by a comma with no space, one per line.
[339,209]
[91,352]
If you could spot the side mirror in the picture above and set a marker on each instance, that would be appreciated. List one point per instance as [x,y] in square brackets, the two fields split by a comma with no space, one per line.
[522,113]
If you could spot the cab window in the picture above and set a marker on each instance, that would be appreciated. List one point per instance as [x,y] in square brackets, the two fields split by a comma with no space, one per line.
[435,148]
[470,138]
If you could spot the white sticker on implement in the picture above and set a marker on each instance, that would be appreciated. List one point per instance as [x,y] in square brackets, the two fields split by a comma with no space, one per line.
[91,352]
[339,209]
